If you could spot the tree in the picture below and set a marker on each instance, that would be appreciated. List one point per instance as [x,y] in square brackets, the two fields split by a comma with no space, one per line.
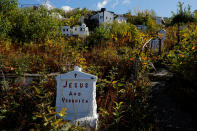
[182,16]
[146,18]
[34,25]
[195,15]
[7,6]
[7,10]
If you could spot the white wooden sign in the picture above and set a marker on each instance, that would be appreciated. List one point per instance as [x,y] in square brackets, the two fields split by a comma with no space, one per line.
[76,91]
[154,44]
[162,33]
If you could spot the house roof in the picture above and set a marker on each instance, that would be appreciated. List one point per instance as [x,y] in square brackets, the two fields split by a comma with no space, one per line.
[120,16]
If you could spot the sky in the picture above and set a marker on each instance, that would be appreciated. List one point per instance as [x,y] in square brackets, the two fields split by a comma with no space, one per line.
[161,7]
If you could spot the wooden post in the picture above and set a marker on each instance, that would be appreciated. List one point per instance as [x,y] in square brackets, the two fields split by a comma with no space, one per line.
[136,66]
[159,46]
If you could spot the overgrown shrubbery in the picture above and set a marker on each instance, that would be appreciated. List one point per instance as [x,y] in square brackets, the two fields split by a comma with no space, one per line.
[31,107]
[109,52]
[120,33]
[182,59]
[7,10]
[33,25]
[26,24]
[116,90]
[146,18]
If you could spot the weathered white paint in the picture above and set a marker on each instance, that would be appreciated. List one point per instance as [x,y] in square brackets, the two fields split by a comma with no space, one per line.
[81,31]
[154,44]
[76,91]
[121,19]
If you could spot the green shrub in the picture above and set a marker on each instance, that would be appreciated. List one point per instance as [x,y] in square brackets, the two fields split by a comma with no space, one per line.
[182,59]
[7,11]
[33,25]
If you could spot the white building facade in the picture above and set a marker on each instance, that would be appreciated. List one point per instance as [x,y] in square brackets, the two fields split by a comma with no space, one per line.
[121,19]
[81,31]
[66,30]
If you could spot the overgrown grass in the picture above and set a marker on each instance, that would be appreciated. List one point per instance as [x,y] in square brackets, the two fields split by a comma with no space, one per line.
[122,101]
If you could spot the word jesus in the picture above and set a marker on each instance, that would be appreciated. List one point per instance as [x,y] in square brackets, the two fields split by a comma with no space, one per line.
[75,85]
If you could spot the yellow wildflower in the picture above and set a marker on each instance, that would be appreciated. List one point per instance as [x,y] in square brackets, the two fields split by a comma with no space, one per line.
[114,82]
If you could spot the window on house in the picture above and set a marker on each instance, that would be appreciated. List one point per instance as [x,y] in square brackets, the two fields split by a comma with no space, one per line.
[75,29]
[67,30]
[81,29]
[106,17]
[101,17]
[63,29]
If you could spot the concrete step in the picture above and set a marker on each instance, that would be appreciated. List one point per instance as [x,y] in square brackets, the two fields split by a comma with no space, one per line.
[160,75]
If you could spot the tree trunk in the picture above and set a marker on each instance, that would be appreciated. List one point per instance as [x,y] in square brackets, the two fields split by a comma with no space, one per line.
[178,34]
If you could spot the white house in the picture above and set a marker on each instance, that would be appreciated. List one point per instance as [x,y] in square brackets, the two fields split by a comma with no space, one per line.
[81,31]
[159,20]
[66,31]
[103,16]
[121,19]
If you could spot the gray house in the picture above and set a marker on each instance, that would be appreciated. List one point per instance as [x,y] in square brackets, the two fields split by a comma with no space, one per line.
[103,16]
[159,20]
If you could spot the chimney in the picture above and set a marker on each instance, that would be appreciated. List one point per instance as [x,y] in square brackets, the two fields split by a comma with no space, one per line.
[103,9]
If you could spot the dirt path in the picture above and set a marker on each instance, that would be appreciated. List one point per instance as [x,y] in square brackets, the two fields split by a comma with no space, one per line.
[168,114]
